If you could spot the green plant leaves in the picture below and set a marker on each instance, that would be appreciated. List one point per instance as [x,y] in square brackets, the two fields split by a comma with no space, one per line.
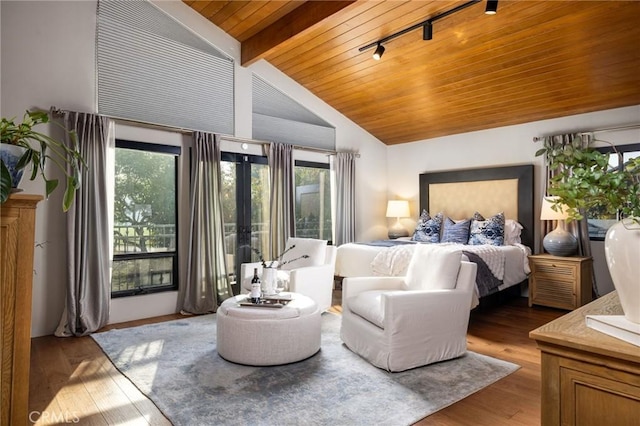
[585,180]
[51,185]
[42,149]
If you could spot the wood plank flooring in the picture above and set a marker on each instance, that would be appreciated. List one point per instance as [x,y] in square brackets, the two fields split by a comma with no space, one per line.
[73,382]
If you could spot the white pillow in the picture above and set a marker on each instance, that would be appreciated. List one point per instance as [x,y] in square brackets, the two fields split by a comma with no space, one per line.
[512,231]
[433,267]
[315,249]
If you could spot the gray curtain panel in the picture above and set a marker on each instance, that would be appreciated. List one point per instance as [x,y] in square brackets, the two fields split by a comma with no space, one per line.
[207,283]
[344,166]
[579,228]
[282,202]
[89,227]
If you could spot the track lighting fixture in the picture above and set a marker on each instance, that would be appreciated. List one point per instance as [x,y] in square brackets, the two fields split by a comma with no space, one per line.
[378,53]
[427,26]
[492,7]
[427,31]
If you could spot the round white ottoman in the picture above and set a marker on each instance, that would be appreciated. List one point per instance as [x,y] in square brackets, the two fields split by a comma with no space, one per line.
[268,336]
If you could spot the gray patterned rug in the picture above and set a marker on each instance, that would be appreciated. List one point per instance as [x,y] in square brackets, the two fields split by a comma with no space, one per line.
[176,365]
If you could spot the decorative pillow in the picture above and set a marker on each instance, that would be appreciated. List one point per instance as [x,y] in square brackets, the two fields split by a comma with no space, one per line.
[487,231]
[428,229]
[315,249]
[433,267]
[512,231]
[455,232]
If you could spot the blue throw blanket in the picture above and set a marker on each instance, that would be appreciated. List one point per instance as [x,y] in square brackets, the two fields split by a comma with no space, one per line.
[485,280]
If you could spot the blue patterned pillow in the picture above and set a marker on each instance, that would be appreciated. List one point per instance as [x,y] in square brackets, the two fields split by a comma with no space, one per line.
[455,232]
[487,231]
[428,229]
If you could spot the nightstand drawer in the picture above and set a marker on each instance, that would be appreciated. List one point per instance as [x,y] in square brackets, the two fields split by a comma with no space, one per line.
[556,271]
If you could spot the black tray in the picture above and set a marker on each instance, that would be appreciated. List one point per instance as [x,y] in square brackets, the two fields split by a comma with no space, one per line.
[268,302]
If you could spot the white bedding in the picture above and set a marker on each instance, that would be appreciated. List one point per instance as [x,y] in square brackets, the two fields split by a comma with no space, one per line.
[357,260]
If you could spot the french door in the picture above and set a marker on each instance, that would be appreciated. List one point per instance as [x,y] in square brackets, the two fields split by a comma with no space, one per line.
[245,200]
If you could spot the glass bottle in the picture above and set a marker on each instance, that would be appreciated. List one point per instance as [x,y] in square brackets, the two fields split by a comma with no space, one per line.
[255,287]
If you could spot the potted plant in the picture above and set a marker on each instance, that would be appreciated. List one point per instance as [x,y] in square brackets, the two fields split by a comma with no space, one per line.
[21,146]
[585,180]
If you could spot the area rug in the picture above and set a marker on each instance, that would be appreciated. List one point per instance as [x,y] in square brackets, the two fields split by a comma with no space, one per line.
[176,365]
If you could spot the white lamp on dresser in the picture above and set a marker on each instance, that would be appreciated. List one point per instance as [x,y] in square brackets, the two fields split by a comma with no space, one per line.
[397,209]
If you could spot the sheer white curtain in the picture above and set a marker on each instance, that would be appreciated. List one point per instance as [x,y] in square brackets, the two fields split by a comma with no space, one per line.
[344,168]
[282,203]
[579,228]
[90,228]
[207,283]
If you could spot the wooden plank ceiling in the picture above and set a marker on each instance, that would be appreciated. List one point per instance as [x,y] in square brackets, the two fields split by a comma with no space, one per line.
[531,61]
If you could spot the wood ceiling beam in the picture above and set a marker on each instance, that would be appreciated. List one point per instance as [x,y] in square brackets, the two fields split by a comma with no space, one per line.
[287,27]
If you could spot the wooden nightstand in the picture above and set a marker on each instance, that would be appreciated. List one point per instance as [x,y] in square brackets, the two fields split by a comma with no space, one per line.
[560,282]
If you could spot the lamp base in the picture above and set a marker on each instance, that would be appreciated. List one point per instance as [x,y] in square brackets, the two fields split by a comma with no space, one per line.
[397,231]
[560,242]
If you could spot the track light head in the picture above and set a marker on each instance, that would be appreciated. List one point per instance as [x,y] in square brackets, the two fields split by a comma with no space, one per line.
[378,53]
[427,31]
[492,7]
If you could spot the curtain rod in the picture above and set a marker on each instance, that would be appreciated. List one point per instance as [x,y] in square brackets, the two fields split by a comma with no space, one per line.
[57,111]
[608,129]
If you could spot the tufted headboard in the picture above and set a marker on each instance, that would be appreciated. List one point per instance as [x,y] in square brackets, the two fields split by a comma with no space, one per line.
[460,193]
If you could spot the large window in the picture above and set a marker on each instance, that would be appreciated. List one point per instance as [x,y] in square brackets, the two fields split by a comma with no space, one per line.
[313,200]
[145,219]
[599,222]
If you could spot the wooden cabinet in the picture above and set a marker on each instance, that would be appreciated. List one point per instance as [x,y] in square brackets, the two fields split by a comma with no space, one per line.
[16,257]
[588,377]
[560,282]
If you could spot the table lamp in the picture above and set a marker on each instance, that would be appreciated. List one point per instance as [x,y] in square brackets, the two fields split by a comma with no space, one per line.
[397,209]
[558,242]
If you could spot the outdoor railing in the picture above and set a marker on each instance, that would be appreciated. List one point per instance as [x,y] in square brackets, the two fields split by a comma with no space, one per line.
[143,238]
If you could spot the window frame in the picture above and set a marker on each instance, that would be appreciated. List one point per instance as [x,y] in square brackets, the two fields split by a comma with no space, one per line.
[176,151]
[621,150]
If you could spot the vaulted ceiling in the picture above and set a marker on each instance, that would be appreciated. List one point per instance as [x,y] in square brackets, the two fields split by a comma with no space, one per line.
[531,61]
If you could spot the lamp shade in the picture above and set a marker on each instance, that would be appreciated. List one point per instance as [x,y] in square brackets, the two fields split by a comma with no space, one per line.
[398,208]
[548,213]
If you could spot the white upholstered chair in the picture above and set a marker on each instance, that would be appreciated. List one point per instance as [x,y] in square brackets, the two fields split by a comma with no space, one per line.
[398,323]
[312,276]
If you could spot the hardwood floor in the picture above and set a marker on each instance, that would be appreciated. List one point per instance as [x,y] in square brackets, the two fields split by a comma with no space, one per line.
[73,382]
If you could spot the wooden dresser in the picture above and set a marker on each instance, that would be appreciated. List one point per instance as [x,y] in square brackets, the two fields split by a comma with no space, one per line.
[588,377]
[16,256]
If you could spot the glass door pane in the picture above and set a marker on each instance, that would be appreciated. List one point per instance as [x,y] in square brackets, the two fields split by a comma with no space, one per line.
[230,215]
[313,200]
[260,190]
[245,200]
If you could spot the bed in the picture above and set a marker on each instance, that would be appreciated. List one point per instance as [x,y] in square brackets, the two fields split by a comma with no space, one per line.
[459,194]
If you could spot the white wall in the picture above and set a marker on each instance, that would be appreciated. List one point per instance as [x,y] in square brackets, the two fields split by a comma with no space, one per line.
[511,145]
[48,58]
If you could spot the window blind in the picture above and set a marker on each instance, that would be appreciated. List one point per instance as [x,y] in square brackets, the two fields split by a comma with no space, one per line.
[278,118]
[153,69]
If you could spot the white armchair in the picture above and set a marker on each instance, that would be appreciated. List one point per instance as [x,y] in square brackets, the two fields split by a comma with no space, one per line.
[312,276]
[398,323]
